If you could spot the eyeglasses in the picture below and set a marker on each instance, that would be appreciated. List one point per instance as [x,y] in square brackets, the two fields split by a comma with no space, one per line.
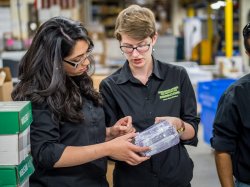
[84,57]
[130,49]
[246,30]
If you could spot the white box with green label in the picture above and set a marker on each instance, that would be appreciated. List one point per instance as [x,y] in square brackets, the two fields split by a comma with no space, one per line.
[15,120]
[18,175]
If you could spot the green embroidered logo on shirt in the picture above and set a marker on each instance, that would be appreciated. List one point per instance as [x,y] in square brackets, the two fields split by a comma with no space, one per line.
[169,93]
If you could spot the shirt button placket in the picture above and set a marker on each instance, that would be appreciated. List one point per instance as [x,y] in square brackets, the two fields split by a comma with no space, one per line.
[147,101]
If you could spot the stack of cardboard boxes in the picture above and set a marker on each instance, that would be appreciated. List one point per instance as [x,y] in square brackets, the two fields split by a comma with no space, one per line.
[15,160]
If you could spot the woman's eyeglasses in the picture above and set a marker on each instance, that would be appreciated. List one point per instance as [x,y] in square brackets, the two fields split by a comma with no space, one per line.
[130,49]
[75,64]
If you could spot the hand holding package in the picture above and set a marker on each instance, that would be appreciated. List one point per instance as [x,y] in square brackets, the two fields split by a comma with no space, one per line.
[158,137]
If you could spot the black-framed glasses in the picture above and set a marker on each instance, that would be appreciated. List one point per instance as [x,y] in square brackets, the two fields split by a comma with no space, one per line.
[139,48]
[246,31]
[83,58]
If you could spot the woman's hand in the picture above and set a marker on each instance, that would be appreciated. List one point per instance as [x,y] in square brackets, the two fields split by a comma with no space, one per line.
[119,148]
[122,149]
[188,130]
[121,127]
[176,122]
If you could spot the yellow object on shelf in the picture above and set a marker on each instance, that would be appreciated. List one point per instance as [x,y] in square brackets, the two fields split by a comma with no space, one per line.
[203,52]
[206,52]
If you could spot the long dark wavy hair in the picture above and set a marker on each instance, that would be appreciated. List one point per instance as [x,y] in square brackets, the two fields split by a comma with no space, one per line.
[43,79]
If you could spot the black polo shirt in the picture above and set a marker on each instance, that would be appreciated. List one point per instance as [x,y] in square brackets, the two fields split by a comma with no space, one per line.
[49,139]
[168,92]
[232,127]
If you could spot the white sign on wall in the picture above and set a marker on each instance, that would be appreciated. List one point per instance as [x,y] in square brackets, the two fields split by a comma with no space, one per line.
[5,20]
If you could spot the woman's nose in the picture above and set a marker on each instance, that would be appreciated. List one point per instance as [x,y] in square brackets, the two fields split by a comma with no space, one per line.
[85,62]
[135,52]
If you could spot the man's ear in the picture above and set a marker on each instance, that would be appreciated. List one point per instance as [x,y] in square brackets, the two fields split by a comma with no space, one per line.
[248,54]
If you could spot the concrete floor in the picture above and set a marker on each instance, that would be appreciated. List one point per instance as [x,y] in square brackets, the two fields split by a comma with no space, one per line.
[205,174]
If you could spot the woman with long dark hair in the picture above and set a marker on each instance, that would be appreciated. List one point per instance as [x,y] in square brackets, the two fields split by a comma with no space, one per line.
[69,139]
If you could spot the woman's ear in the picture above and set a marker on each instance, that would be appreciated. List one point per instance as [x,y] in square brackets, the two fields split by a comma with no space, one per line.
[154,38]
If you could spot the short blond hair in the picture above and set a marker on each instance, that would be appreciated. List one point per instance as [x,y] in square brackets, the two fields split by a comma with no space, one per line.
[135,21]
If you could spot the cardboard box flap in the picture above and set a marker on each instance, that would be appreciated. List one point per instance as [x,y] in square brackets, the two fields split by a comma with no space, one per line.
[25,169]
[6,86]
[8,74]
[2,77]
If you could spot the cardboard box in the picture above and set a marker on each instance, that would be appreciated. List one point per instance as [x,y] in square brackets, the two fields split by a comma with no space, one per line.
[25,184]
[15,176]
[15,116]
[7,87]
[15,119]
[2,77]
[110,169]
[14,148]
[97,80]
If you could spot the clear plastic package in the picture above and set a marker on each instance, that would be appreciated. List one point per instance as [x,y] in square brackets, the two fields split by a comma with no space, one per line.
[158,137]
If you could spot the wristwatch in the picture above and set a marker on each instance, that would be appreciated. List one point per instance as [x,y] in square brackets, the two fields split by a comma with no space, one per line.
[182,128]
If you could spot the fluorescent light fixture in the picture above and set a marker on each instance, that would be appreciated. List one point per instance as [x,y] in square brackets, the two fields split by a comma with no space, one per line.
[218,4]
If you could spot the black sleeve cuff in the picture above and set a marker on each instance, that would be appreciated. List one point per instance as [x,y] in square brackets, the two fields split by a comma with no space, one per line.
[194,140]
[50,154]
[221,144]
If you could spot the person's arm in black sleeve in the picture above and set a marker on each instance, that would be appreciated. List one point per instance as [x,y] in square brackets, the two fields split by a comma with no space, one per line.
[45,147]
[109,103]
[224,140]
[189,108]
[48,152]
[188,119]
[225,127]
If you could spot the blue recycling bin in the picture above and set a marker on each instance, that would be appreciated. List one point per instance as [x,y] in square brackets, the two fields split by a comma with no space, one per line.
[209,94]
